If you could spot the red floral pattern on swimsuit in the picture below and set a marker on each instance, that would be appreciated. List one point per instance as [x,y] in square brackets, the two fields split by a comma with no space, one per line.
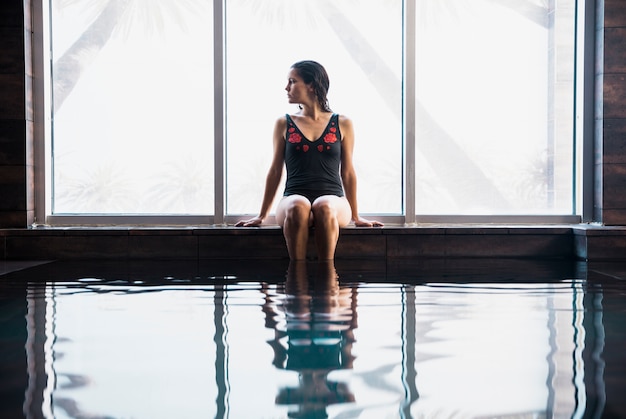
[294,137]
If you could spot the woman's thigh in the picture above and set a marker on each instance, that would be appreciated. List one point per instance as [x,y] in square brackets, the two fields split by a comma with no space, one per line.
[340,204]
[289,202]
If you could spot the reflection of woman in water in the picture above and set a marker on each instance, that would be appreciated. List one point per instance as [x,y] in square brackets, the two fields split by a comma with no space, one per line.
[313,323]
[315,145]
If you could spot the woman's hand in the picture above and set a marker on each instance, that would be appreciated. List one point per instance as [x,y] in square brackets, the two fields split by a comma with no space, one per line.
[252,222]
[362,222]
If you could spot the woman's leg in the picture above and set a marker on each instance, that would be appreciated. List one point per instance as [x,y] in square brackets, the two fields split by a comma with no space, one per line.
[330,213]
[293,214]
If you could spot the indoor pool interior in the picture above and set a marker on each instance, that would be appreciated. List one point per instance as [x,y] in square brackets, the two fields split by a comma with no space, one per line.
[429,338]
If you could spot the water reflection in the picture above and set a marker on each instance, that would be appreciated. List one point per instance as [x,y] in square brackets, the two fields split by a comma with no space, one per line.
[310,342]
[313,322]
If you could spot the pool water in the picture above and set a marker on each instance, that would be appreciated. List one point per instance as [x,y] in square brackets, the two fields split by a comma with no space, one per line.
[245,339]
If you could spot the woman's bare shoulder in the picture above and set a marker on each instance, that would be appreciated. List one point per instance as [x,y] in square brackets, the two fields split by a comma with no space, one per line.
[345,122]
[280,125]
[281,121]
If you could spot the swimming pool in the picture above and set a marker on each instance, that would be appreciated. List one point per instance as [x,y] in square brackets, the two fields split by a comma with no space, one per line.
[358,339]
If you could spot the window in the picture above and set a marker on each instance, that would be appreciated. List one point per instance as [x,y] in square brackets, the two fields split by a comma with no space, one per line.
[133,107]
[364,63]
[460,108]
[494,107]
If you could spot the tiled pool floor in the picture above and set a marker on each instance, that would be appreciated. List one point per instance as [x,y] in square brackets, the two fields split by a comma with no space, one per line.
[429,338]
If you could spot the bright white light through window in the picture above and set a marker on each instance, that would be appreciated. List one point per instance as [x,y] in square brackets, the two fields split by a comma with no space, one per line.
[133,107]
[133,98]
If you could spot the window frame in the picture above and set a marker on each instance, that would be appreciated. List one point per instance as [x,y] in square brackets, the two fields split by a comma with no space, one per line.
[583,135]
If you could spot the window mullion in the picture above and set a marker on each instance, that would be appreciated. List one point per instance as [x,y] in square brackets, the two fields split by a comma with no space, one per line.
[409,112]
[219,109]
[585,106]
[42,111]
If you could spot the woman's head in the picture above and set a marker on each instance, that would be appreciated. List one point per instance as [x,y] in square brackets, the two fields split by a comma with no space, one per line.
[314,73]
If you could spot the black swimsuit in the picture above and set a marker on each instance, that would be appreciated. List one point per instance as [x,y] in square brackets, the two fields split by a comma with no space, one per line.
[313,166]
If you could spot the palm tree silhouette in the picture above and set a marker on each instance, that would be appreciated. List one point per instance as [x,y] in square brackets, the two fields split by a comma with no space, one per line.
[121,15]
[113,16]
[452,164]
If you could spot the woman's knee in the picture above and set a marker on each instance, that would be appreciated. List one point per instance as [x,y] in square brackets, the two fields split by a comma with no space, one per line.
[332,209]
[296,211]
[323,210]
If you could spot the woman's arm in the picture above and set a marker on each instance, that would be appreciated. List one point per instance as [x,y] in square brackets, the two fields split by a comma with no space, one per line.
[348,174]
[273,177]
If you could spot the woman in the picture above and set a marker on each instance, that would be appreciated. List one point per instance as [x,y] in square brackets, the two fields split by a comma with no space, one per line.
[316,147]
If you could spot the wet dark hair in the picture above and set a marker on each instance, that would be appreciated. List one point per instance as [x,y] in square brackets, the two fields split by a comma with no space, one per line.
[314,73]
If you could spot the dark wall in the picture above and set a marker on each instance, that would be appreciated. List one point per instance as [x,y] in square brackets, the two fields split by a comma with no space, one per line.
[16,114]
[610,139]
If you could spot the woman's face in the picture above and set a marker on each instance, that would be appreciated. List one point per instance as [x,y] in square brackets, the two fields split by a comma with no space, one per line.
[297,90]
